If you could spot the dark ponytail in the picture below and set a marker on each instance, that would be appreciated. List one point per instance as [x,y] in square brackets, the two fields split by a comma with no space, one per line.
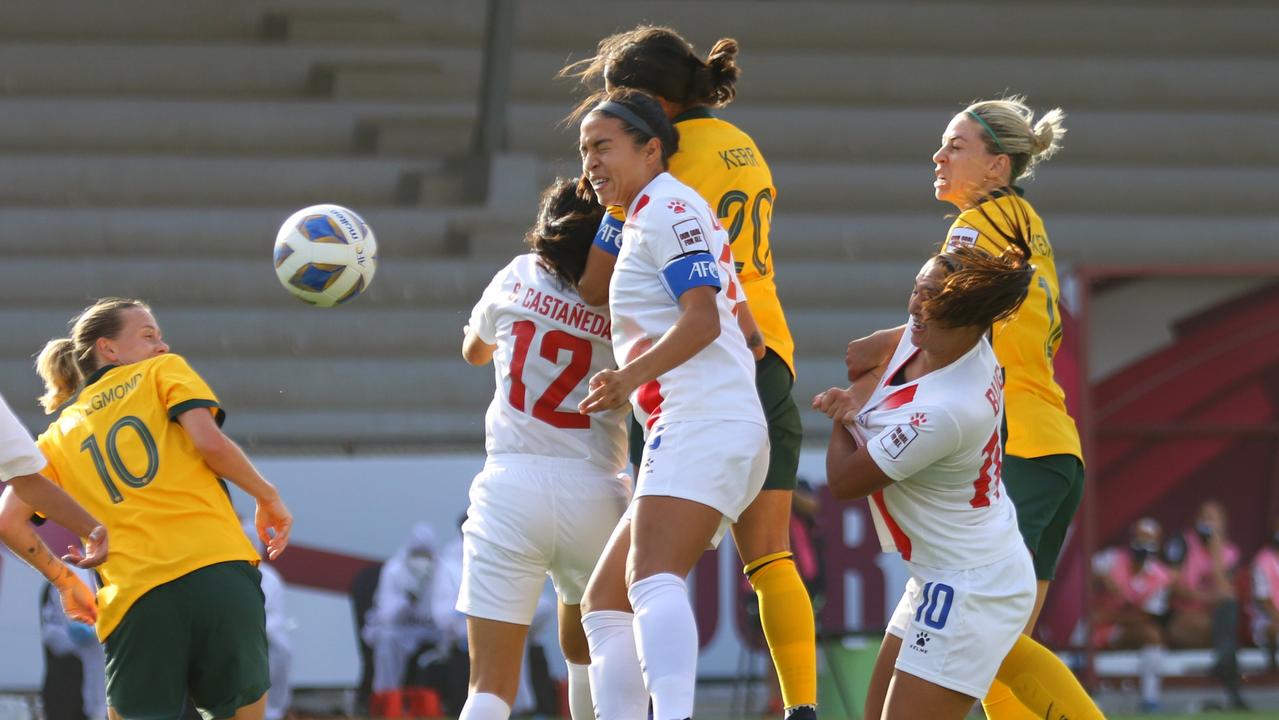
[659,61]
[567,218]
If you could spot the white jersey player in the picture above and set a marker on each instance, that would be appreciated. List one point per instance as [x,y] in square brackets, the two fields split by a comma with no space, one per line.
[926,448]
[551,490]
[24,489]
[684,366]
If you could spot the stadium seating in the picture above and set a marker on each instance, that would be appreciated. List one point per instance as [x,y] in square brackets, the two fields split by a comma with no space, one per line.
[149,148]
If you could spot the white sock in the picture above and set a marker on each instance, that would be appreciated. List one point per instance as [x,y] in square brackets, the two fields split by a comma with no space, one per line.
[580,706]
[1150,666]
[666,635]
[485,706]
[617,685]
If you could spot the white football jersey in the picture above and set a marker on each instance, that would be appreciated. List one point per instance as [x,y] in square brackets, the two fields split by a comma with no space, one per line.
[938,438]
[549,344]
[672,242]
[18,452]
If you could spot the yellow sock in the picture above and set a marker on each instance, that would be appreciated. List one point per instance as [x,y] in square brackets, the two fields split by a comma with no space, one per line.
[1043,684]
[1001,704]
[786,613]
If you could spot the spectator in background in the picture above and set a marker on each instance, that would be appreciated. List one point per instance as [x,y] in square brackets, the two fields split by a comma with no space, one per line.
[401,622]
[74,661]
[1132,603]
[279,653]
[1265,596]
[1205,612]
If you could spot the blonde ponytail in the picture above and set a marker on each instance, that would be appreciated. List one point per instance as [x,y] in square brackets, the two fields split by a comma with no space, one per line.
[57,366]
[64,363]
[1008,130]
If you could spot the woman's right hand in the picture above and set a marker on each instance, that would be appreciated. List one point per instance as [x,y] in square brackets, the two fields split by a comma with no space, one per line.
[839,404]
[273,516]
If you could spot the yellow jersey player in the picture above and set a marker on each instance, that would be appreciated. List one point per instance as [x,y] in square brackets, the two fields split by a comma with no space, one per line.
[725,167]
[985,150]
[138,444]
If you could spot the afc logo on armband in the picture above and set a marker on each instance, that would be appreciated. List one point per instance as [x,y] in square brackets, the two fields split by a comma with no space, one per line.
[691,236]
[703,269]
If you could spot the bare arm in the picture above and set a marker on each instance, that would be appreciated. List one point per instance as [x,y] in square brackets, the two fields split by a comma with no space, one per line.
[750,330]
[474,350]
[850,471]
[696,328]
[20,537]
[226,459]
[54,503]
[593,286]
[872,352]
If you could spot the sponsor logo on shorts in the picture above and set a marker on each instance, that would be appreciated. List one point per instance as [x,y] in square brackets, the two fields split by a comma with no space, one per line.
[896,441]
[920,645]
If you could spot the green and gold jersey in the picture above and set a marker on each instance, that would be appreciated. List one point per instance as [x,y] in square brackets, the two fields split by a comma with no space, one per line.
[1038,423]
[723,165]
[120,452]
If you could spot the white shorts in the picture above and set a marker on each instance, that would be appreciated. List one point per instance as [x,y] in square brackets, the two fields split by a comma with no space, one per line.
[532,516]
[720,463]
[956,626]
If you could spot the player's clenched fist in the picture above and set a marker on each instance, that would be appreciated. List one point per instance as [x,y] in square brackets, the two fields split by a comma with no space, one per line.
[840,404]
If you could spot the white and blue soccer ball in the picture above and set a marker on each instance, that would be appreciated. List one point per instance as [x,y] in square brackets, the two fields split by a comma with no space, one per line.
[325,255]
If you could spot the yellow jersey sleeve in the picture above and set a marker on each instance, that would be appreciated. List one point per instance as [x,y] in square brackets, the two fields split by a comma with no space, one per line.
[117,450]
[1026,343]
[181,389]
[725,167]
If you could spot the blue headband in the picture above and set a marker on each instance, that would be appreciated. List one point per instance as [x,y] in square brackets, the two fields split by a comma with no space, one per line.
[993,136]
[622,112]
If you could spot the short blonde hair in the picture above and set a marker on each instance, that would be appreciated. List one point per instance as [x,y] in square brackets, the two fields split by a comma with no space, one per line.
[1010,129]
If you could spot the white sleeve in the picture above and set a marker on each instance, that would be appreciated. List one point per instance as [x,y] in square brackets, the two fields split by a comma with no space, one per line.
[923,436]
[679,243]
[483,320]
[18,452]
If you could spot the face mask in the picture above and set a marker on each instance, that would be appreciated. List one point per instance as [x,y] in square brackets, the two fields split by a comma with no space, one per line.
[1203,531]
[418,565]
[1142,551]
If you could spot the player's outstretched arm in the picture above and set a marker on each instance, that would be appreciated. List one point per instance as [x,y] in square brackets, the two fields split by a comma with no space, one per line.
[20,537]
[224,457]
[696,328]
[51,501]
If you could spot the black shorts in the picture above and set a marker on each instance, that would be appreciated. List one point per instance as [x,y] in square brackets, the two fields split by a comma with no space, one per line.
[202,636]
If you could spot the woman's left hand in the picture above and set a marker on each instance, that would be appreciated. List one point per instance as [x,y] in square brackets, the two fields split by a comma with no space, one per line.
[610,389]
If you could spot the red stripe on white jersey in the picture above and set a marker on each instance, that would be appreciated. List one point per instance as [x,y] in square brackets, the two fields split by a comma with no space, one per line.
[900,539]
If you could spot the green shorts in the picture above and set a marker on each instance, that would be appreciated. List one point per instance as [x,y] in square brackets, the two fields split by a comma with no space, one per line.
[773,381]
[201,636]
[1046,492]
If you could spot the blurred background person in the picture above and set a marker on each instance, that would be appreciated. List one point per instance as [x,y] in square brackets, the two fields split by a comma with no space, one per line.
[1205,611]
[75,686]
[401,624]
[1265,598]
[1134,586]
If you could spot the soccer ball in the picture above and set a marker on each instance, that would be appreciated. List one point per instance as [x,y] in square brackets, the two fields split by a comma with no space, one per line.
[325,255]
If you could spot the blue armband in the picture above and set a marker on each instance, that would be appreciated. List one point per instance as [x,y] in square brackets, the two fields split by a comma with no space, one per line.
[696,269]
[609,237]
